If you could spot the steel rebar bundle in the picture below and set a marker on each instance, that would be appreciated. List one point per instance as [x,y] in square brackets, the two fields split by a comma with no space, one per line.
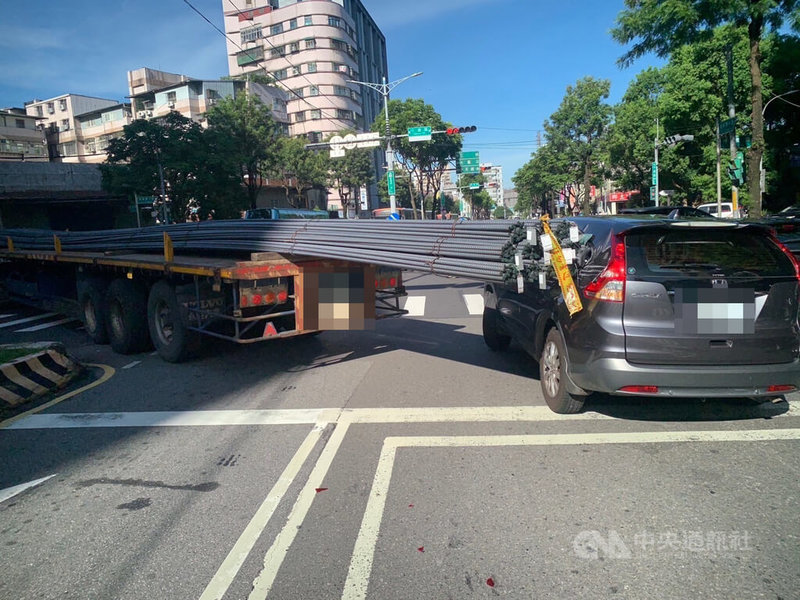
[476,250]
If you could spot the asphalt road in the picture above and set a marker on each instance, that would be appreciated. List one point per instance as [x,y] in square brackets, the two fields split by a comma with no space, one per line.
[404,462]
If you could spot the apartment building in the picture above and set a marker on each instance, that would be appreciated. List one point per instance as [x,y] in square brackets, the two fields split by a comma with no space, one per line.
[493,182]
[20,138]
[155,94]
[95,129]
[58,117]
[312,48]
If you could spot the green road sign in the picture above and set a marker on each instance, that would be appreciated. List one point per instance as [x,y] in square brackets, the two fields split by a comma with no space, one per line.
[390,183]
[470,162]
[653,194]
[474,186]
[727,126]
[419,134]
[654,173]
[473,154]
[468,170]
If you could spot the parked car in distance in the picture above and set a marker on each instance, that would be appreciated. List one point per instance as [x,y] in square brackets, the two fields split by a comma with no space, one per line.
[723,211]
[671,309]
[669,212]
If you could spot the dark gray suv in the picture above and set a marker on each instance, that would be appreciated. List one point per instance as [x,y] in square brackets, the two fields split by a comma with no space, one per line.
[670,309]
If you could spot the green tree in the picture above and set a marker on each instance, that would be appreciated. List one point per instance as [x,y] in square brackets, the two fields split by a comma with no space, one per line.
[577,131]
[348,173]
[664,26]
[299,170]
[244,129]
[402,184]
[539,181]
[172,147]
[426,161]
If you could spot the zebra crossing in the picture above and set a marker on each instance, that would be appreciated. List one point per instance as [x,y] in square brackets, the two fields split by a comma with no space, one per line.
[24,322]
[471,305]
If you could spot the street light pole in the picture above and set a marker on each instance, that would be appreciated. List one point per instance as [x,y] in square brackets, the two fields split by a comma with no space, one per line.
[762,174]
[655,144]
[384,89]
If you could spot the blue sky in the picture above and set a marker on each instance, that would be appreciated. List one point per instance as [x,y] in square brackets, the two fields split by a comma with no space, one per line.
[502,65]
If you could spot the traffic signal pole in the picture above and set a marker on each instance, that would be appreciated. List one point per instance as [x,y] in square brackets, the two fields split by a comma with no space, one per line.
[732,115]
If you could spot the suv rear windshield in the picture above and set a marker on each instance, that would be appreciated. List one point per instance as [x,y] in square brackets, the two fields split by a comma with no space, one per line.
[730,251]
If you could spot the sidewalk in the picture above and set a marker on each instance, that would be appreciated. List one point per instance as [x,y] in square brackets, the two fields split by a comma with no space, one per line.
[48,367]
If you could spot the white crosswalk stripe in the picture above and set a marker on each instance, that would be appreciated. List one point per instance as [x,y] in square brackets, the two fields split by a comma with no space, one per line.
[47,325]
[415,305]
[27,320]
[474,303]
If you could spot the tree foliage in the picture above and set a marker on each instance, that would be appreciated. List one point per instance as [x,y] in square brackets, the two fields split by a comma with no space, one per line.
[349,172]
[426,161]
[664,26]
[298,170]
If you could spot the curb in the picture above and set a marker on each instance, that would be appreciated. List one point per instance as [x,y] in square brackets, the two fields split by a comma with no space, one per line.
[48,367]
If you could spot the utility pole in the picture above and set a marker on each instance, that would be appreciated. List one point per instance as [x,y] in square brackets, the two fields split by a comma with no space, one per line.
[655,175]
[719,172]
[384,89]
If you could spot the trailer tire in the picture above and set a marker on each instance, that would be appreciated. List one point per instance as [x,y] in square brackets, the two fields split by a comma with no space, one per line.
[168,324]
[126,317]
[92,300]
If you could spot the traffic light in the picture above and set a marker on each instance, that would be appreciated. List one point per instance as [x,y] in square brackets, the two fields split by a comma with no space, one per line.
[460,130]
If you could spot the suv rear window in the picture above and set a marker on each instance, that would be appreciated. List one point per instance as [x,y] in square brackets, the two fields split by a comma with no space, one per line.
[664,252]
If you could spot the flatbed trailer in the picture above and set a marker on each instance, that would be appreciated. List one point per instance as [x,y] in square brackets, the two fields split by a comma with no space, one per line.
[134,300]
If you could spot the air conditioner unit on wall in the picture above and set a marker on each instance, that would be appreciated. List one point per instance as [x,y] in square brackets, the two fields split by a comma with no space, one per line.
[140,114]
[149,113]
[172,105]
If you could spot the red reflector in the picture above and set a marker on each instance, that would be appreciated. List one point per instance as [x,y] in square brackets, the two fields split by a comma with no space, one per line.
[269,298]
[256,299]
[269,329]
[393,282]
[639,389]
[243,301]
[377,284]
[384,283]
[781,388]
[283,295]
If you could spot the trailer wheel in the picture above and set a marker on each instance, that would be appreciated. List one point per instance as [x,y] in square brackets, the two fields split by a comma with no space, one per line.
[126,317]
[552,375]
[168,325]
[496,341]
[92,299]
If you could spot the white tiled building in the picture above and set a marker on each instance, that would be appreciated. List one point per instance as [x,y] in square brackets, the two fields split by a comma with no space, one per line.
[20,136]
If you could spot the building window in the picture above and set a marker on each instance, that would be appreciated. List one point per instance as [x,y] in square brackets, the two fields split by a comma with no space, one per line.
[276,29]
[339,45]
[293,24]
[294,47]
[312,67]
[334,21]
[280,74]
[91,147]
[339,90]
[315,137]
[278,51]
[250,56]
[20,123]
[344,114]
[298,92]
[50,108]
[299,117]
[62,104]
[310,43]
[309,20]
[313,91]
[251,34]
[171,97]
[316,114]
[295,70]
[40,110]
[64,124]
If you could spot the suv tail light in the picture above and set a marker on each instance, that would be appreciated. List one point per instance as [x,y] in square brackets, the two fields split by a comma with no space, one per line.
[609,286]
[792,257]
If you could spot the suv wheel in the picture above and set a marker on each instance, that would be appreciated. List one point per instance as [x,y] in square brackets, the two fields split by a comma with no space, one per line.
[491,335]
[553,377]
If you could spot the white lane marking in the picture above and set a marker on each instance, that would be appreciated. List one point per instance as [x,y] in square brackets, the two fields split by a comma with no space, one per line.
[154,353]
[18,489]
[170,419]
[415,305]
[5,316]
[219,584]
[132,364]
[310,416]
[474,303]
[47,325]
[280,547]
[355,587]
[27,320]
